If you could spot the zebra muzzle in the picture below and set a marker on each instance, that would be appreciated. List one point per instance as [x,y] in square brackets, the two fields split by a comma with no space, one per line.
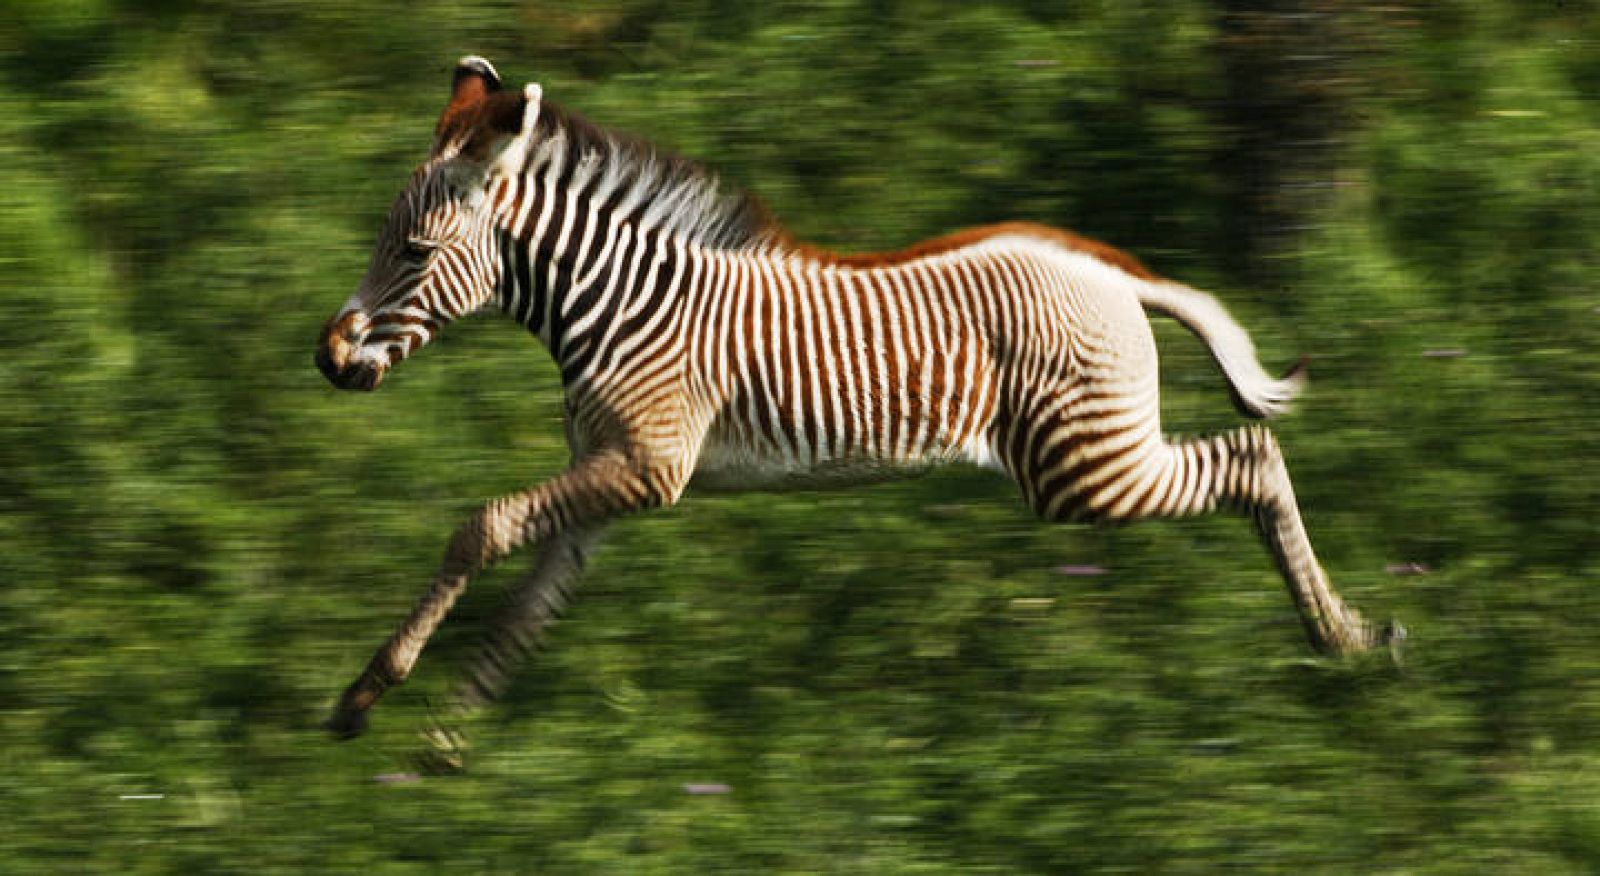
[337,357]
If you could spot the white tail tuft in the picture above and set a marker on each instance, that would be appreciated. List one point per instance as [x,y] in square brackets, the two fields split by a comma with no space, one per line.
[1255,392]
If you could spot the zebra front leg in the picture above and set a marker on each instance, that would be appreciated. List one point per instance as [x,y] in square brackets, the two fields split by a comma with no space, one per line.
[533,604]
[595,489]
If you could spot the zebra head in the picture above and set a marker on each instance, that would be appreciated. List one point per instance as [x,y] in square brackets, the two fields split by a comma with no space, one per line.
[437,258]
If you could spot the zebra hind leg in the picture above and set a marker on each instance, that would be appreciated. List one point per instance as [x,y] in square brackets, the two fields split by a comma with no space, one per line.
[533,604]
[1249,473]
[1243,469]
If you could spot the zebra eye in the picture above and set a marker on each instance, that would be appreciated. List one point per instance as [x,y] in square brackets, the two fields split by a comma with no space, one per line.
[416,250]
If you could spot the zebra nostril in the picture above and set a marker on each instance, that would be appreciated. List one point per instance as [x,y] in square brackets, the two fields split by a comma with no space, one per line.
[325,364]
[336,349]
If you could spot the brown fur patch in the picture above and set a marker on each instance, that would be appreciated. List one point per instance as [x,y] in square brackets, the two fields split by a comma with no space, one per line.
[469,87]
[1104,252]
[475,124]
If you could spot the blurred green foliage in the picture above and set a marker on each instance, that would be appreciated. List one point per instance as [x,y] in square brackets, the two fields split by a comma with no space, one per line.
[200,541]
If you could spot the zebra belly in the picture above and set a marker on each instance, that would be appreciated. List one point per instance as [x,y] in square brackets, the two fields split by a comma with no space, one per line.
[728,465]
[724,469]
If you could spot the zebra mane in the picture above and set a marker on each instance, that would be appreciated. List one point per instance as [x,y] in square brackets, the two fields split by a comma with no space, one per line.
[658,189]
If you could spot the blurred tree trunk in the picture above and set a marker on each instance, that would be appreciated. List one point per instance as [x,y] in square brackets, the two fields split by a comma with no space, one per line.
[1286,112]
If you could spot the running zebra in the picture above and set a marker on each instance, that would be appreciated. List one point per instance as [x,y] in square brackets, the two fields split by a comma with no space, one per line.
[699,344]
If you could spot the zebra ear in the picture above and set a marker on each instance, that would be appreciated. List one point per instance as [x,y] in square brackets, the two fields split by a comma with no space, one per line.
[503,119]
[532,97]
[473,80]
[509,114]
[472,87]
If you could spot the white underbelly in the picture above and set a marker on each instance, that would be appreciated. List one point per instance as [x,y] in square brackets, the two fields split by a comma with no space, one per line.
[730,468]
[736,471]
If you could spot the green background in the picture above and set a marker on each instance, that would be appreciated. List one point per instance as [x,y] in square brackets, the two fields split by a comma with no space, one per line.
[201,541]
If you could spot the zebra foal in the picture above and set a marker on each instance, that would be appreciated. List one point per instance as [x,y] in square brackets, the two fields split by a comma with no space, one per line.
[699,344]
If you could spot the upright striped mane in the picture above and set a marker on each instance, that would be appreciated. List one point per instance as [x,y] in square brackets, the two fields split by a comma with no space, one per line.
[664,191]
[684,197]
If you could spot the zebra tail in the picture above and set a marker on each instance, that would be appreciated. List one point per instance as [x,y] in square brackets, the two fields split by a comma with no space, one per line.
[1255,392]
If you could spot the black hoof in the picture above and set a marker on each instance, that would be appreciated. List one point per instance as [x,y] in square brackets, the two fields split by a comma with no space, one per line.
[346,724]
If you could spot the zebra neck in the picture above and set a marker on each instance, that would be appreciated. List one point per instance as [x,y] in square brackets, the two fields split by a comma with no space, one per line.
[595,287]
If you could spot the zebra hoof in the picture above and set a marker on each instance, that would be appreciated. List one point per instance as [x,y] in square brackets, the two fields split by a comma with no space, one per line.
[346,724]
[1393,636]
[443,753]
[433,762]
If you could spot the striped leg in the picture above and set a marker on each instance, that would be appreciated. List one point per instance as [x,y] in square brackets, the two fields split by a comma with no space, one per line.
[596,489]
[1243,469]
[534,603]
[1246,470]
